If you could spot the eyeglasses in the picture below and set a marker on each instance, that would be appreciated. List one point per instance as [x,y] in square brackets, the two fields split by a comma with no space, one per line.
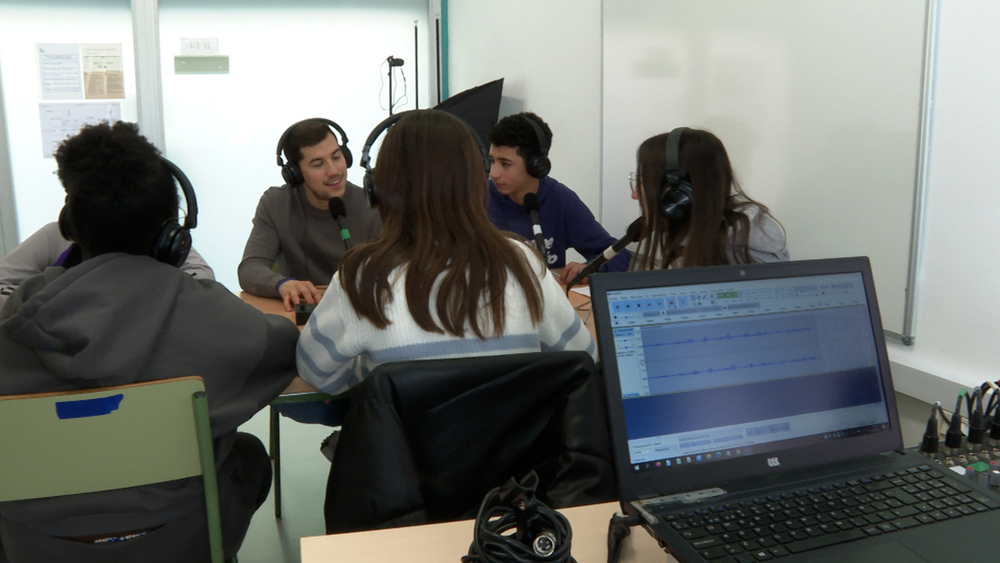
[633,181]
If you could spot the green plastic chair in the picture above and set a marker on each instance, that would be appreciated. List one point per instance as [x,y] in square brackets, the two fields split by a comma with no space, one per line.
[160,433]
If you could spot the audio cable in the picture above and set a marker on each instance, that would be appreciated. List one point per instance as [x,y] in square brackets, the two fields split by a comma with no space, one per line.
[954,436]
[977,429]
[540,533]
[618,529]
[929,447]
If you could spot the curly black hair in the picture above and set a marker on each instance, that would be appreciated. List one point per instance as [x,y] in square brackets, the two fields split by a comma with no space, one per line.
[119,194]
[515,131]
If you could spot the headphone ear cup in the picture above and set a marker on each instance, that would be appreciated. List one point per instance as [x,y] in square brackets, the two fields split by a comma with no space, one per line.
[369,186]
[348,157]
[291,174]
[172,245]
[538,166]
[676,199]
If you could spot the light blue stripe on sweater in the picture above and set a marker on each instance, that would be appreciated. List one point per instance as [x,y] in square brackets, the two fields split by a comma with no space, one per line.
[569,334]
[458,348]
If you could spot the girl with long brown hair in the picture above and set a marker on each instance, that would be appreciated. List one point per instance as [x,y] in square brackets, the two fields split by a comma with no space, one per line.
[694,212]
[440,281]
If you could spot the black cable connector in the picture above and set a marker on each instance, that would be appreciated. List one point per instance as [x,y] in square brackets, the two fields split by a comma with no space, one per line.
[992,419]
[618,530]
[953,438]
[930,443]
[977,430]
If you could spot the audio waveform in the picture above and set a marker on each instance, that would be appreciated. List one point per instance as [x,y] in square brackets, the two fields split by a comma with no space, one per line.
[728,336]
[734,367]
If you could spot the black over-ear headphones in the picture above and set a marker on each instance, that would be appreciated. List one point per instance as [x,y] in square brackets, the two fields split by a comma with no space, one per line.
[538,164]
[366,160]
[290,171]
[676,195]
[174,241]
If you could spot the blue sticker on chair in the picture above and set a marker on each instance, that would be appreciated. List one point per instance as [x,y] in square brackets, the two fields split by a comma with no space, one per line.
[88,407]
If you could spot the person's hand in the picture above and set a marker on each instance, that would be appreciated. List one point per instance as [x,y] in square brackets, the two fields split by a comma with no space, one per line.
[568,272]
[294,291]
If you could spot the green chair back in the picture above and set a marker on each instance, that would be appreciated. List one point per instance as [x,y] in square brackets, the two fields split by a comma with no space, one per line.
[95,440]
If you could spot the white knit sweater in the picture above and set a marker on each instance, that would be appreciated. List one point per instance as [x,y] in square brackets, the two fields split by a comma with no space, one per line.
[336,338]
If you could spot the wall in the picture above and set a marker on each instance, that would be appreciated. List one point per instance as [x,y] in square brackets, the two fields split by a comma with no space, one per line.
[549,56]
[958,305]
[817,103]
[288,61]
[957,309]
[38,195]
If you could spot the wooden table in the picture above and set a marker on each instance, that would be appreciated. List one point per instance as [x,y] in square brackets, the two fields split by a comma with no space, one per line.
[450,541]
[275,306]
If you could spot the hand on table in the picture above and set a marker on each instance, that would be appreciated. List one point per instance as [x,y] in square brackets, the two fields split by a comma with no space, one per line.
[566,274]
[294,291]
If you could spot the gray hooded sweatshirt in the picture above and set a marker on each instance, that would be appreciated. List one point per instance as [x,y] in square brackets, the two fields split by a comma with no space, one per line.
[118,319]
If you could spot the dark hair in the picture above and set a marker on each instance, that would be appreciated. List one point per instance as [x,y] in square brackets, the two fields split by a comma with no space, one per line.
[515,131]
[433,197]
[119,193]
[306,134]
[717,214]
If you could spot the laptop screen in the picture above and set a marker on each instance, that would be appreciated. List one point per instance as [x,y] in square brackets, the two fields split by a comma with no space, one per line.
[712,365]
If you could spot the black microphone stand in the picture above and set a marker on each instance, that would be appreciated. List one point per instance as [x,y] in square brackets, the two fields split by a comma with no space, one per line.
[393,62]
[389,60]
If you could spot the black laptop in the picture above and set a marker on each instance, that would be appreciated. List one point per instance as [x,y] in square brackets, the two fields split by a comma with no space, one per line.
[753,418]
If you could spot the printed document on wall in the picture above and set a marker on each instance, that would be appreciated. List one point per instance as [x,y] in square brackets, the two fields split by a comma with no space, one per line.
[61,121]
[59,71]
[103,75]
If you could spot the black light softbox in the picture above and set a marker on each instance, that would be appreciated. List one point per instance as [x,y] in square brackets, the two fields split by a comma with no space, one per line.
[479,106]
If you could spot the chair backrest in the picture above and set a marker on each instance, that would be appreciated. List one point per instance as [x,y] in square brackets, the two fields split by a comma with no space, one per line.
[84,441]
[424,441]
[94,440]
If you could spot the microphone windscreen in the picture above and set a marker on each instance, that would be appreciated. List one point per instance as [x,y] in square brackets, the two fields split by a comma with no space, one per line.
[531,201]
[632,232]
[631,235]
[337,208]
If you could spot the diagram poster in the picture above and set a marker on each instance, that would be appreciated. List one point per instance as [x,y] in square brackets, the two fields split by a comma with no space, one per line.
[63,120]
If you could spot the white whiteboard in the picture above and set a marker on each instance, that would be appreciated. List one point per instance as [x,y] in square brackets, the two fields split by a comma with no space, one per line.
[817,102]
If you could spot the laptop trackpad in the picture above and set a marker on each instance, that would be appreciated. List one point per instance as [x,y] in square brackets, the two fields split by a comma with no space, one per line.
[891,552]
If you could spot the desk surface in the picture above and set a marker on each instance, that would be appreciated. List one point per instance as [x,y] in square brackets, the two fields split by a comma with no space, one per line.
[450,541]
[275,307]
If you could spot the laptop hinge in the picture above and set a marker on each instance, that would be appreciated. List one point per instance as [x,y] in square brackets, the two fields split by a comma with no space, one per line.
[680,498]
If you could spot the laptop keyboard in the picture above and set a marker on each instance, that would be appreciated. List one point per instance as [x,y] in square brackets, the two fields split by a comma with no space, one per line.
[779,525]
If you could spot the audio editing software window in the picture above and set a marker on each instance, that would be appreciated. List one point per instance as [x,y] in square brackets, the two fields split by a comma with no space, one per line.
[724,369]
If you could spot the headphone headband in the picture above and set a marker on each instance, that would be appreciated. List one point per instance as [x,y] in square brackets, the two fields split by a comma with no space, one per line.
[290,171]
[385,124]
[673,153]
[369,179]
[676,195]
[543,144]
[191,203]
[284,136]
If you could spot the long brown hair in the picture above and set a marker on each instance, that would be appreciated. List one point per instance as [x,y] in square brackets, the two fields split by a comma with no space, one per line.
[718,209]
[433,193]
